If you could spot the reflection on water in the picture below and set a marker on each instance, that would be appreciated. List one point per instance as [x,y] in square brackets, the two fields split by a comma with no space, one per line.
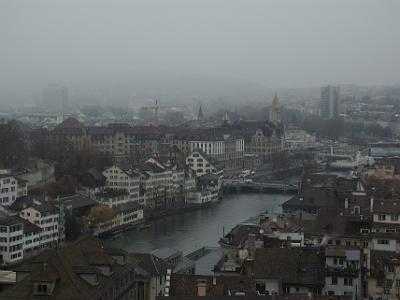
[192,230]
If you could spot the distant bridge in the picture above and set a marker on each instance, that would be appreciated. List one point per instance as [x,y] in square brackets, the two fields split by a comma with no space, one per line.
[260,187]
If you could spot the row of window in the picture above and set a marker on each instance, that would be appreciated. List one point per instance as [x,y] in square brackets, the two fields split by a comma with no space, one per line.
[7,181]
[380,282]
[346,281]
[382,217]
[16,255]
[28,214]
[13,228]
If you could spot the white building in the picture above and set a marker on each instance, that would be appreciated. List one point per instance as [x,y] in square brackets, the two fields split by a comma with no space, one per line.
[112,198]
[298,139]
[157,183]
[46,217]
[123,177]
[201,164]
[32,242]
[343,272]
[8,189]
[386,218]
[128,213]
[11,239]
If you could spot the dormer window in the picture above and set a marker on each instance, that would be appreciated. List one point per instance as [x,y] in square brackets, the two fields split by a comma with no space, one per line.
[104,269]
[91,278]
[43,288]
[119,259]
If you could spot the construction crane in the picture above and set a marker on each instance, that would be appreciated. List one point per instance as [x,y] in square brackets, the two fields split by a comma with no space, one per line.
[155,108]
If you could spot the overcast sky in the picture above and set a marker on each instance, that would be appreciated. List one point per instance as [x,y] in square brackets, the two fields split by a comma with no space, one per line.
[274,43]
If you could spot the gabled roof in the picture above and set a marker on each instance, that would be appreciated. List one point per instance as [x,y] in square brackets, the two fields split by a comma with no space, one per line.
[302,266]
[77,201]
[63,266]
[11,220]
[387,206]
[185,285]
[166,253]
[153,265]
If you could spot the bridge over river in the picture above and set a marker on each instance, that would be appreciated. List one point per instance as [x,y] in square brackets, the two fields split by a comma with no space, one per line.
[238,186]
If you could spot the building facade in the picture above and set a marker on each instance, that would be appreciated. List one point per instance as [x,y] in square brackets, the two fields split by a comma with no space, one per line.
[329,107]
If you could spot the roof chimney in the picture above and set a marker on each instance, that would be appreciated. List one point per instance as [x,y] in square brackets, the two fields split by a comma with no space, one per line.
[214,280]
[371,204]
[201,288]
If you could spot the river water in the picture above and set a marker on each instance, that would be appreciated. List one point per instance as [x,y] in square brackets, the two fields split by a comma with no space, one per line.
[192,230]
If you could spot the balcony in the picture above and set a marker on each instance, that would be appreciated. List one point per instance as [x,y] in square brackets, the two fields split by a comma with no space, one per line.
[342,271]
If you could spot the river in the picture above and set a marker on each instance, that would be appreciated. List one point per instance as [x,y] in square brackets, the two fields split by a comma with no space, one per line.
[192,230]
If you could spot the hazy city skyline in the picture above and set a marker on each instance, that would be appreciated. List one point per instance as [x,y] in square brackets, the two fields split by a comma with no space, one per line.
[270,44]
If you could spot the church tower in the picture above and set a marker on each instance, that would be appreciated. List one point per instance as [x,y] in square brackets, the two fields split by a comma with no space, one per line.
[275,114]
[200,115]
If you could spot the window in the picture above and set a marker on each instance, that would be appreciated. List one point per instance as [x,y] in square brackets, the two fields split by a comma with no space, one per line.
[334,280]
[394,217]
[348,281]
[379,282]
[383,242]
[389,283]
[381,217]
[41,288]
[397,283]
[260,286]
[390,268]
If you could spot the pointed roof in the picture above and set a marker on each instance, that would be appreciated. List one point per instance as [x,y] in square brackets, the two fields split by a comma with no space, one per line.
[276,103]
[200,115]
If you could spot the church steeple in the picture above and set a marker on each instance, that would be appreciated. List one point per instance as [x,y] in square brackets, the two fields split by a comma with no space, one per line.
[276,110]
[200,115]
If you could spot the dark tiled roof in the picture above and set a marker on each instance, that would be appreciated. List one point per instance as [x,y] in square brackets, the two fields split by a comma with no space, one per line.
[328,221]
[314,199]
[186,285]
[301,266]
[77,201]
[150,263]
[166,253]
[62,266]
[388,206]
[44,208]
[30,227]
[239,234]
[70,123]
[11,220]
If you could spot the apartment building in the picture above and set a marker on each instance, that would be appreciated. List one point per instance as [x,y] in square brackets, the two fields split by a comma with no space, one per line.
[202,164]
[123,177]
[8,189]
[11,239]
[45,216]
[342,274]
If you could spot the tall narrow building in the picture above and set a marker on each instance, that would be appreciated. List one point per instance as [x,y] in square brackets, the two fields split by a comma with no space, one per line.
[329,107]
[55,98]
[200,115]
[275,114]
